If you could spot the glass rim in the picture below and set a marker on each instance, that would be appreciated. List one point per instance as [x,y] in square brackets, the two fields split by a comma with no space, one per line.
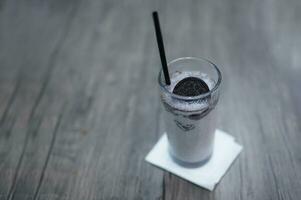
[216,85]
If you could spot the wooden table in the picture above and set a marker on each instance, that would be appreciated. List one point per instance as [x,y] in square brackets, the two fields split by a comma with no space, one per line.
[79,102]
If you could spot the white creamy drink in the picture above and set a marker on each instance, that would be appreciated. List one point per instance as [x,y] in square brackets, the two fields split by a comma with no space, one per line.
[190,124]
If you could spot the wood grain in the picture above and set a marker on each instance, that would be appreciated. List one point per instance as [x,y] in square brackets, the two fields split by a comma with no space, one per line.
[79,106]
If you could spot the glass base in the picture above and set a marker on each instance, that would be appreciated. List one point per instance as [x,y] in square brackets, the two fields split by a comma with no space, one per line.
[190,164]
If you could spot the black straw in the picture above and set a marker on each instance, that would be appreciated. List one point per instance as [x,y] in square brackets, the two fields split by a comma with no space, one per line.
[161,47]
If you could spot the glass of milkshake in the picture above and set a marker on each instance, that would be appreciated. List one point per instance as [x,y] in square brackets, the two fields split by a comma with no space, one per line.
[190,108]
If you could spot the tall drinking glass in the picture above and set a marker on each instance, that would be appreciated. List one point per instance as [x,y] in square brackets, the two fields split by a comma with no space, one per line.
[190,121]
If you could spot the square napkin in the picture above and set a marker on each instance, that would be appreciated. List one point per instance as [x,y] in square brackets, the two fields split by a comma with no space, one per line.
[208,175]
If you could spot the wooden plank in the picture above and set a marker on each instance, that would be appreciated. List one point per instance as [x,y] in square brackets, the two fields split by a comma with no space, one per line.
[101,143]
[29,48]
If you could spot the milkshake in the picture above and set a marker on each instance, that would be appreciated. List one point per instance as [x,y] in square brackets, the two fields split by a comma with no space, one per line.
[189,108]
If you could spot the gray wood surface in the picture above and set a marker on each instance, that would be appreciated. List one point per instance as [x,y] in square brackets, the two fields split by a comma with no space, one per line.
[79,106]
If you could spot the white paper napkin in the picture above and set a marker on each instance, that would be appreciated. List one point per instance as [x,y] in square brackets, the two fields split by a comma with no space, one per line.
[224,153]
